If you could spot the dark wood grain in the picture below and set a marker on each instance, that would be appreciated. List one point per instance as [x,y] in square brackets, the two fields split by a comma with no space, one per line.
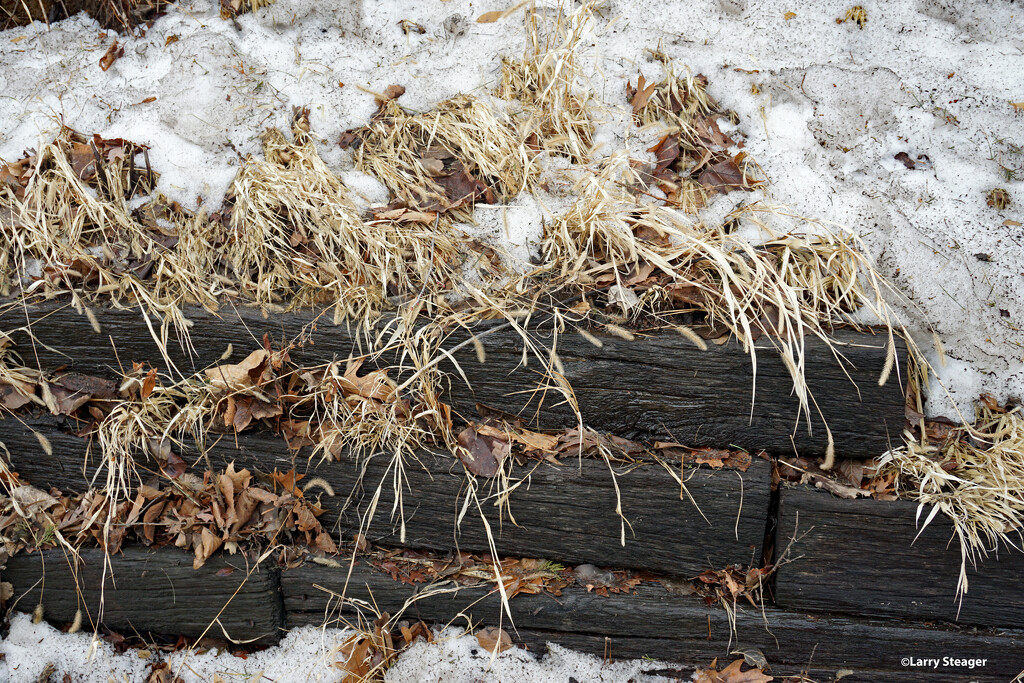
[565,513]
[159,593]
[658,386]
[657,623]
[866,557]
[151,592]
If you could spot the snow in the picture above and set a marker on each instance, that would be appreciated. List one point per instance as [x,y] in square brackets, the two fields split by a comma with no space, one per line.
[511,228]
[29,647]
[304,655]
[456,658]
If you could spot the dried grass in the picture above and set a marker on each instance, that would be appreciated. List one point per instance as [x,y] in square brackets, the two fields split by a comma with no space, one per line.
[410,153]
[678,102]
[975,477]
[295,238]
[794,286]
[548,82]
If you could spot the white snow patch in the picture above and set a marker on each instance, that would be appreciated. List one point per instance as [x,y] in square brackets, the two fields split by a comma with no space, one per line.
[457,658]
[304,655]
[513,230]
[364,190]
[29,647]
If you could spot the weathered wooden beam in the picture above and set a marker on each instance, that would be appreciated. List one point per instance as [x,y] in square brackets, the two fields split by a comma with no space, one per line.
[869,558]
[158,592]
[147,591]
[565,513]
[665,625]
[657,386]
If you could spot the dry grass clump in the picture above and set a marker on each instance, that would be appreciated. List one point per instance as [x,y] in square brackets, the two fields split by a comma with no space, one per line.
[119,15]
[975,477]
[446,159]
[792,286]
[548,82]
[289,235]
[680,102]
[66,223]
[294,237]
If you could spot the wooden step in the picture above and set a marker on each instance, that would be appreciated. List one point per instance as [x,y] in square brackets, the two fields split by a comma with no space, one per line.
[565,513]
[143,591]
[159,592]
[869,557]
[657,386]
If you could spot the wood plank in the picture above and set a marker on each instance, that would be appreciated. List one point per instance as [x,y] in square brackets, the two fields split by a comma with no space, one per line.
[658,386]
[861,557]
[657,623]
[151,592]
[159,593]
[565,513]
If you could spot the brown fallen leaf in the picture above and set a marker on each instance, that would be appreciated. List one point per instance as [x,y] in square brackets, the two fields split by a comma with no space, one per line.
[244,375]
[175,466]
[494,638]
[111,56]
[724,176]
[905,159]
[731,674]
[642,94]
[482,455]
[206,543]
[374,385]
[392,92]
[14,397]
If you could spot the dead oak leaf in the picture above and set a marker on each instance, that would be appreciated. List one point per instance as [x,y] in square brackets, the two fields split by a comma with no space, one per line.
[641,94]
[242,376]
[731,674]
[482,455]
[494,638]
[111,55]
[374,385]
[724,176]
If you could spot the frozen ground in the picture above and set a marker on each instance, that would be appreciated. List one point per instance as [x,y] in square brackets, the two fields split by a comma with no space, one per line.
[824,108]
[305,655]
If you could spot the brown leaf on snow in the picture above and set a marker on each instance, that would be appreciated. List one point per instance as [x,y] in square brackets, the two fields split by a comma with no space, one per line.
[494,638]
[724,176]
[111,56]
[639,96]
[392,92]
